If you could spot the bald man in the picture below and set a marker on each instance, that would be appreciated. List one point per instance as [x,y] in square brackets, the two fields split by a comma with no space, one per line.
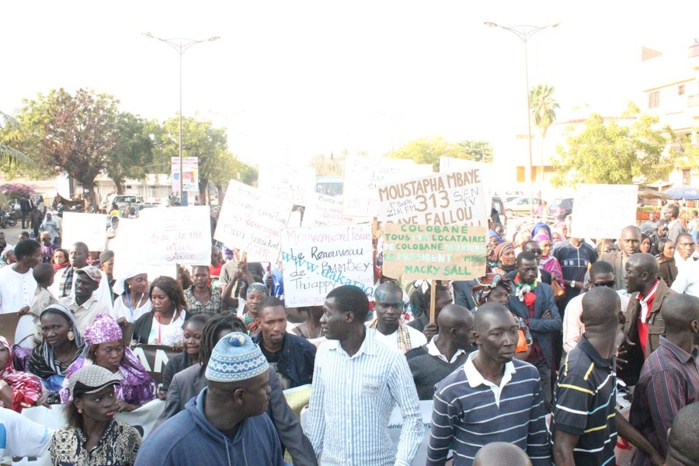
[644,322]
[683,448]
[629,243]
[584,427]
[445,352]
[497,453]
[670,376]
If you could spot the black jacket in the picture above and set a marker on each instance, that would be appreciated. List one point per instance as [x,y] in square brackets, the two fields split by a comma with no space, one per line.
[143,326]
[296,359]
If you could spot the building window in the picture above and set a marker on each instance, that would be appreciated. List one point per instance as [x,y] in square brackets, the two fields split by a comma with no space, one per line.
[654,99]
[680,89]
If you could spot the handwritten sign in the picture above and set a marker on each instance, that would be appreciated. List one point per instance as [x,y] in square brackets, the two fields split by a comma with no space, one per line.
[287,181]
[251,221]
[603,210]
[317,260]
[363,176]
[90,229]
[177,235]
[453,252]
[322,211]
[444,199]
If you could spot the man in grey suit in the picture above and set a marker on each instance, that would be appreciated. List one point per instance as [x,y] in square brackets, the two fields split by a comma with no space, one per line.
[671,214]
[188,383]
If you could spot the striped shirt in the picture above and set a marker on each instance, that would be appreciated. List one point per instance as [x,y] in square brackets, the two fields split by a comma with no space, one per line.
[351,402]
[469,412]
[585,404]
[669,381]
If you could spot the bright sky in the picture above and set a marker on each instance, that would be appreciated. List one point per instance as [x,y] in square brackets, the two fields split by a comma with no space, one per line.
[290,79]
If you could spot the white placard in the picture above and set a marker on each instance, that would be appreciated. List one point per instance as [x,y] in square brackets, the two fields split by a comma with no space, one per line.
[251,221]
[177,235]
[317,260]
[603,210]
[287,181]
[322,211]
[90,229]
[444,199]
[363,175]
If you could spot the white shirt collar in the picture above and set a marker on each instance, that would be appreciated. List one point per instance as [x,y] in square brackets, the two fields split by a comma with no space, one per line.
[432,350]
[475,378]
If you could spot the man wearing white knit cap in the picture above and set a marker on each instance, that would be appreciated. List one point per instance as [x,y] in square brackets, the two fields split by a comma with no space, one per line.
[226,424]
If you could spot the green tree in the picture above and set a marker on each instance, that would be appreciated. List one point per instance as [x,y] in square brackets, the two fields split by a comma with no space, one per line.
[334,165]
[71,133]
[133,154]
[543,109]
[685,154]
[429,150]
[607,152]
[10,135]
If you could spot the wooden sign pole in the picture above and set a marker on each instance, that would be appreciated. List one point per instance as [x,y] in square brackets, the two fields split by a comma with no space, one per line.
[433,293]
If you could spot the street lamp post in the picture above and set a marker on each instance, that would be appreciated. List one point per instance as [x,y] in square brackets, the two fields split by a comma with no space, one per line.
[181,45]
[524,33]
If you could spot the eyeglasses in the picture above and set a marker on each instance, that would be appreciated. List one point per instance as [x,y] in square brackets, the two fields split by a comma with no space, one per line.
[609,284]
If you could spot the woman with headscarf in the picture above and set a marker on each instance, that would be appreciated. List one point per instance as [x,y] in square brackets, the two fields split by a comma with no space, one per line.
[61,344]
[164,324]
[7,257]
[504,258]
[106,349]
[93,436]
[496,288]
[132,296]
[548,261]
[60,259]
[18,389]
[256,293]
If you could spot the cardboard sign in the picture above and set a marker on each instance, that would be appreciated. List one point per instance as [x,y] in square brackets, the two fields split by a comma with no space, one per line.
[288,181]
[323,211]
[90,229]
[8,325]
[251,221]
[454,252]
[363,175]
[154,358]
[601,211]
[317,260]
[456,198]
[177,235]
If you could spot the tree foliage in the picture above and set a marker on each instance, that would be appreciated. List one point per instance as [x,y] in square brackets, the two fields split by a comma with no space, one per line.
[429,150]
[71,133]
[607,152]
[684,153]
[132,156]
[11,158]
[543,107]
[333,165]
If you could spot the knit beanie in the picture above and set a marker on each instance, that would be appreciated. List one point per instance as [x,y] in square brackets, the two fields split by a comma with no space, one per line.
[235,358]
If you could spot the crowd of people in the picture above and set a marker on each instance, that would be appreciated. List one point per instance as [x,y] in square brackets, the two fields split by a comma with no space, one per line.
[525,365]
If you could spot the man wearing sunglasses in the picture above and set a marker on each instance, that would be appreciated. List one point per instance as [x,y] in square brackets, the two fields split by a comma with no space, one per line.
[601,274]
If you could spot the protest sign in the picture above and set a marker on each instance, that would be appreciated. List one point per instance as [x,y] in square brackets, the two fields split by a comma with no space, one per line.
[454,252]
[8,325]
[142,419]
[287,181]
[190,167]
[322,211]
[602,210]
[444,199]
[316,260]
[363,175]
[154,358]
[177,235]
[251,221]
[90,229]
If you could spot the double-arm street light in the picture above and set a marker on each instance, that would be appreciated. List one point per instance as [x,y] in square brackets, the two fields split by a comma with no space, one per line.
[180,45]
[524,33]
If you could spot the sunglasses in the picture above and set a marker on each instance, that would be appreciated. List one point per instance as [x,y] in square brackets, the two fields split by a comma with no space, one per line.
[609,284]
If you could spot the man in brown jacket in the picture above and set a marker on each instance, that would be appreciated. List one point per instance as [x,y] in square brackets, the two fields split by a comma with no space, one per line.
[644,324]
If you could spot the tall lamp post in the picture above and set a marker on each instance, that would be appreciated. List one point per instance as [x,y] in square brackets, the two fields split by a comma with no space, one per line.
[181,45]
[524,33]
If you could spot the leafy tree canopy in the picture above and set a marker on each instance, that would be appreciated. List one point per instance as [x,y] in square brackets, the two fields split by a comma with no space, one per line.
[429,150]
[608,152]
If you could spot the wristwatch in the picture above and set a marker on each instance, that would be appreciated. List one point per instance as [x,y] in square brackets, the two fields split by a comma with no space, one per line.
[572,283]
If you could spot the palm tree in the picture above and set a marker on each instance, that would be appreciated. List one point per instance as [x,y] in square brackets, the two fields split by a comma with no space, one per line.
[543,108]
[7,153]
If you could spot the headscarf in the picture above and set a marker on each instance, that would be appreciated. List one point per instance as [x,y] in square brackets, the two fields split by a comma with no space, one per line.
[257,286]
[5,254]
[252,323]
[494,234]
[542,237]
[485,285]
[120,283]
[26,388]
[541,228]
[135,387]
[42,362]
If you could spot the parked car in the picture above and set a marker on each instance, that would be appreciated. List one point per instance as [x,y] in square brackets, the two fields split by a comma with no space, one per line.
[521,206]
[499,207]
[122,201]
[561,208]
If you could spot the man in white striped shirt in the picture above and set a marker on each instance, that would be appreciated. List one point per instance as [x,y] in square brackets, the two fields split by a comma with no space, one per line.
[356,384]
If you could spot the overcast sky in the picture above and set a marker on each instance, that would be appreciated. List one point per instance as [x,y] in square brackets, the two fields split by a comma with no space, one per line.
[294,78]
